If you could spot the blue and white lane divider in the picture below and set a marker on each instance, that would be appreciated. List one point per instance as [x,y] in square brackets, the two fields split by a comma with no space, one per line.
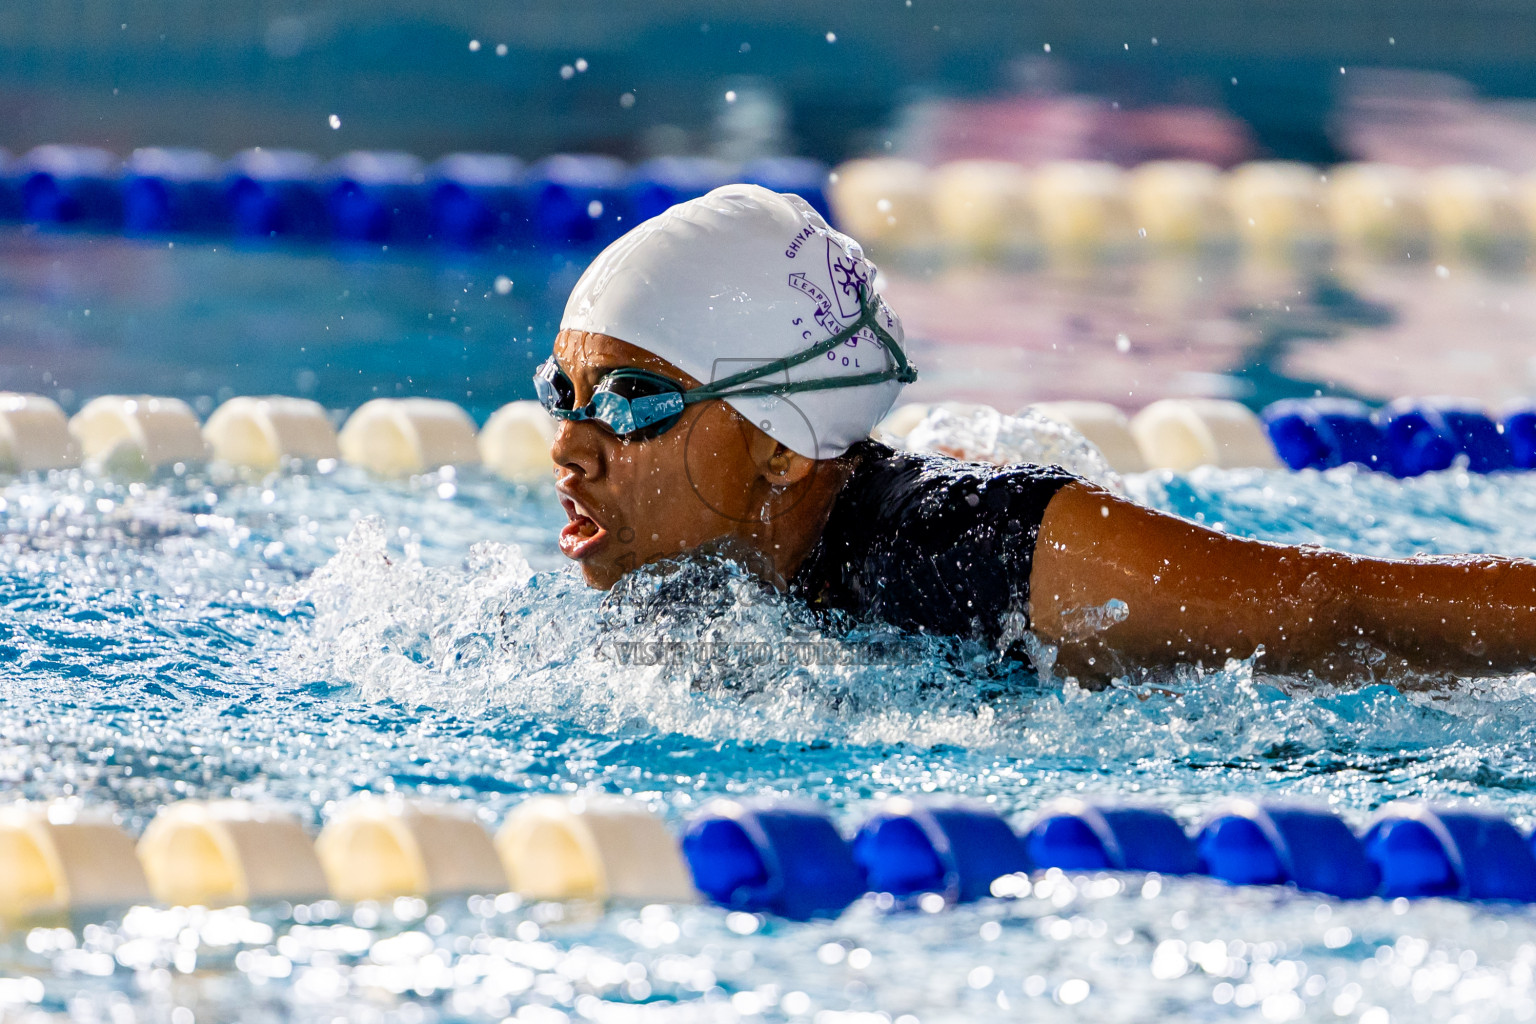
[464,200]
[1406,438]
[784,859]
[402,436]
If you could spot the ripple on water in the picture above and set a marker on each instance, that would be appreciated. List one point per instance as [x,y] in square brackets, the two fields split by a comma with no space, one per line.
[303,637]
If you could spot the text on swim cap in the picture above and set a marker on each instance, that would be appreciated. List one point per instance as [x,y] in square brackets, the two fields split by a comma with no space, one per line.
[799,240]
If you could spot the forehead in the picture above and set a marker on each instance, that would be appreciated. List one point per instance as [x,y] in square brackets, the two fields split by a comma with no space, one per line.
[584,354]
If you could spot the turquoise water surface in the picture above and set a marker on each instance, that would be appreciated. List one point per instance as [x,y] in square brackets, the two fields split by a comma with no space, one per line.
[306,636]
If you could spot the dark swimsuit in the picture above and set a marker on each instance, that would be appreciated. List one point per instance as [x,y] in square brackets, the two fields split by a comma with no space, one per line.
[931,544]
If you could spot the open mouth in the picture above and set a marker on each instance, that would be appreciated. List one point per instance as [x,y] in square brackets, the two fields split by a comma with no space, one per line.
[583,534]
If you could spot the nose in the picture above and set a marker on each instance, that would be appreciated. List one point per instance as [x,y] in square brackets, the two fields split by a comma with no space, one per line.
[577,448]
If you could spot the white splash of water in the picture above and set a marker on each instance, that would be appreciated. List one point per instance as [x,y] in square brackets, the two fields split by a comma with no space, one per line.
[982,434]
[703,649]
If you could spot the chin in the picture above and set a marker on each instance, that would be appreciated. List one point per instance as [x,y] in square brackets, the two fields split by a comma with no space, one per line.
[600,577]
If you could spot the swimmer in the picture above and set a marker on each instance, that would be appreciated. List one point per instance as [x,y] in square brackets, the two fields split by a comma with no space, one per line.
[715,379]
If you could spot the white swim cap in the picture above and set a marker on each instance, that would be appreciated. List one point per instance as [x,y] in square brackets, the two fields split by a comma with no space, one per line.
[739,278]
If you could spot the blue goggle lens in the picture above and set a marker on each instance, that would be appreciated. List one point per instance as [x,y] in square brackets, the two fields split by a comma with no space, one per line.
[635,404]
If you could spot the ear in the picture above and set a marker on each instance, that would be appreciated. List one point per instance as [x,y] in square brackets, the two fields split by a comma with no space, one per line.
[776,464]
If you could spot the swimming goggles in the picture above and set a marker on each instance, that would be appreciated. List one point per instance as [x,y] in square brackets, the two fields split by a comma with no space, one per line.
[638,404]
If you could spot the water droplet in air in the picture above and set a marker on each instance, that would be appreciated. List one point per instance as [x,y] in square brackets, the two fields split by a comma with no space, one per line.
[503,284]
[627,100]
[474,46]
[595,209]
[501,49]
[1123,342]
[730,96]
[567,72]
[831,37]
[335,121]
[1442,271]
[581,63]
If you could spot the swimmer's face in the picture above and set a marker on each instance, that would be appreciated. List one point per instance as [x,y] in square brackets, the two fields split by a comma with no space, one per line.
[633,502]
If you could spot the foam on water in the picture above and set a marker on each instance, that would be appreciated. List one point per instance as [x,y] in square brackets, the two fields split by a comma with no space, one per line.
[982,434]
[300,638]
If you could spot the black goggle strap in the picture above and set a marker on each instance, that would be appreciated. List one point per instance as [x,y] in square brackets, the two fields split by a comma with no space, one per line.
[902,370]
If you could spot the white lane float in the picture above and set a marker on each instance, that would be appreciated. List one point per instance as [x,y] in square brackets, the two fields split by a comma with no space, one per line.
[1178,203]
[226,852]
[1105,426]
[1080,206]
[34,434]
[1275,204]
[128,433]
[53,861]
[983,206]
[263,433]
[401,436]
[515,441]
[1375,205]
[883,200]
[379,849]
[596,848]
[1470,208]
[1183,433]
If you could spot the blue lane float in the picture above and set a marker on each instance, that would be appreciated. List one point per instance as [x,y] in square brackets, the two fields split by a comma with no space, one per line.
[173,190]
[476,199]
[1520,434]
[1077,836]
[1325,433]
[70,185]
[954,850]
[785,860]
[1464,854]
[1246,843]
[1407,438]
[1427,434]
[577,200]
[377,197]
[275,193]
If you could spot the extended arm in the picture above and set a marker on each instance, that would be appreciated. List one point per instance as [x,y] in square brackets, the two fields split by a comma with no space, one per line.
[1194,595]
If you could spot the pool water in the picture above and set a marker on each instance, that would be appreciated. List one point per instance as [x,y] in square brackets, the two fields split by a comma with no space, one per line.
[302,637]
[83,315]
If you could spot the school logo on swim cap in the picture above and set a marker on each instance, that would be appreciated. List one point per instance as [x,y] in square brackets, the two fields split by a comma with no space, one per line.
[850,277]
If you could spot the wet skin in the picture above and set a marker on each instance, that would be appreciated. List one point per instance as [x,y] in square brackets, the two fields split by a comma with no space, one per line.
[712,477]
[1192,595]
